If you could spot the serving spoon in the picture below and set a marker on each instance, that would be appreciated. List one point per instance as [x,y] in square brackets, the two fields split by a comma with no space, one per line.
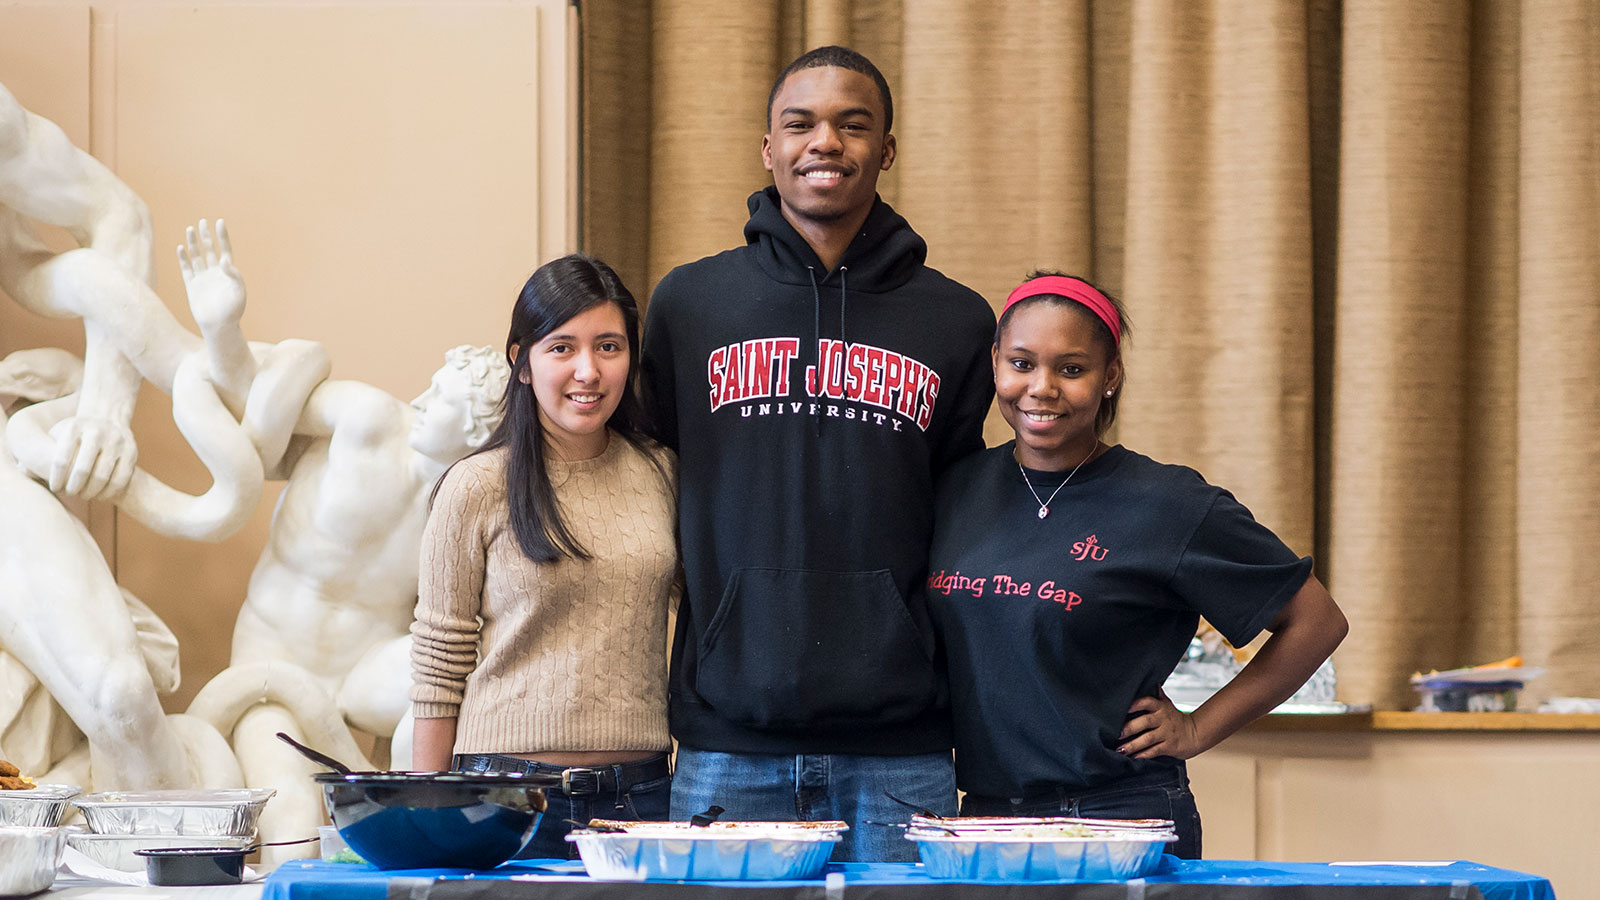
[316,756]
[919,810]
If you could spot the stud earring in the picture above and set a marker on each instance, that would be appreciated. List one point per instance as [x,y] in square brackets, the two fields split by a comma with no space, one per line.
[1109,393]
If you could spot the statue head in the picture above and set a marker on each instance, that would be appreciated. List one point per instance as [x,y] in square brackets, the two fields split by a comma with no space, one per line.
[461,408]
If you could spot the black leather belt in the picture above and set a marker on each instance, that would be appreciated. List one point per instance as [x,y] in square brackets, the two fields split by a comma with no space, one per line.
[576,781]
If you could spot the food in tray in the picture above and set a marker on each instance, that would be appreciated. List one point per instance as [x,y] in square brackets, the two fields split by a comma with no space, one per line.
[1039,849]
[967,824]
[720,851]
[1506,670]
[739,830]
[12,779]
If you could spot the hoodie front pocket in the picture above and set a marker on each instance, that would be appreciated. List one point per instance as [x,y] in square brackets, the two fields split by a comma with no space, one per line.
[790,648]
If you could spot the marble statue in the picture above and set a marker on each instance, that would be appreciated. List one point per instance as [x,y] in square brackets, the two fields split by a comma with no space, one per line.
[107,282]
[67,628]
[323,634]
[321,643]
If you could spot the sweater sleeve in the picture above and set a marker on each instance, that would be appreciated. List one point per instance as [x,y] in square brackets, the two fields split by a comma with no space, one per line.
[444,637]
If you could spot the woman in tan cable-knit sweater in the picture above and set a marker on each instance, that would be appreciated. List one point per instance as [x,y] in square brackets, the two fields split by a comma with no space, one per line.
[547,571]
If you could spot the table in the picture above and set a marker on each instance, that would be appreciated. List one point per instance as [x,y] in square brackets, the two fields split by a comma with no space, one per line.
[1175,880]
[71,887]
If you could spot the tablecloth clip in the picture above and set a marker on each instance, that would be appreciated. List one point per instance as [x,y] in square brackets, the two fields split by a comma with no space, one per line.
[833,886]
[1136,889]
[1459,890]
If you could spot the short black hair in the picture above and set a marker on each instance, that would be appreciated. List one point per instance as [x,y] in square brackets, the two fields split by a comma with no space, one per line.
[839,58]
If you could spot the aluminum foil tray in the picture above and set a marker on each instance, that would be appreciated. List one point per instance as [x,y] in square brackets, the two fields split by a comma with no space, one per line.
[965,824]
[227,813]
[43,806]
[722,851]
[116,850]
[29,856]
[1039,851]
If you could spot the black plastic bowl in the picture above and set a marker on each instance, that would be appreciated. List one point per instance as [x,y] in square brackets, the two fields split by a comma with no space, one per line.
[194,865]
[435,820]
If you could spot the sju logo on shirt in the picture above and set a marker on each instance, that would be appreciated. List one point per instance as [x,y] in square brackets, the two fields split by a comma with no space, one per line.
[1089,548]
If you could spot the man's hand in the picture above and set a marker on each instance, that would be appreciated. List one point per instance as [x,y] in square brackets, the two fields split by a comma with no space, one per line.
[1155,728]
[94,458]
[216,290]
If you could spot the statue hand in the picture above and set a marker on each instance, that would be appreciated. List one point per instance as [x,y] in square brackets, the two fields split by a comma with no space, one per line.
[216,290]
[94,458]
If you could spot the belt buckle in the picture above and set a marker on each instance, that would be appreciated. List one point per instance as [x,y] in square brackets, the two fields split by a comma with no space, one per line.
[567,776]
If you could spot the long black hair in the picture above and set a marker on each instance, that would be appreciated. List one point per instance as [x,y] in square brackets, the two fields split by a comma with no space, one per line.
[557,291]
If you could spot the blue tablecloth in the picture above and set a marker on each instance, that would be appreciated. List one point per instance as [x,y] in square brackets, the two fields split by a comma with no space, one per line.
[317,880]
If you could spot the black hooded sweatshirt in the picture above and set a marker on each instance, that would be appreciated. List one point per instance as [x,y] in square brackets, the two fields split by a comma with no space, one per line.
[811,411]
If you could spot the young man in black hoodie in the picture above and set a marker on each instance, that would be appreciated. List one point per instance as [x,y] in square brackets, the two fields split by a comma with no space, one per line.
[814,382]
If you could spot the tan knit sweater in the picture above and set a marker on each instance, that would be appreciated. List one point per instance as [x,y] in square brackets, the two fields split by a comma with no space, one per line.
[561,656]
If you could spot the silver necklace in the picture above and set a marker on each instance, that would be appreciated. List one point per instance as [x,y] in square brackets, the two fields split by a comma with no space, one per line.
[1044,505]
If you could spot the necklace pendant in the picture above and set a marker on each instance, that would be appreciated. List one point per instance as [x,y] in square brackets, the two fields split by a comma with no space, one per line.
[1044,511]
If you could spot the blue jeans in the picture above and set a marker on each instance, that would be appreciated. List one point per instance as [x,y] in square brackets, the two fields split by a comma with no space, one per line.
[819,787]
[1159,795]
[640,802]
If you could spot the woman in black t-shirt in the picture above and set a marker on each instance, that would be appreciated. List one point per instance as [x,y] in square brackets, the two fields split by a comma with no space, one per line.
[1067,578]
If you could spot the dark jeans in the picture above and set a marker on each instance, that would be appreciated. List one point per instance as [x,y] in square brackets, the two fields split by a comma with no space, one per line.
[819,787]
[637,802]
[1159,795]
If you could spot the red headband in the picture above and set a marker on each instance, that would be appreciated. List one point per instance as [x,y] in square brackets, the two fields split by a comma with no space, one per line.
[1072,289]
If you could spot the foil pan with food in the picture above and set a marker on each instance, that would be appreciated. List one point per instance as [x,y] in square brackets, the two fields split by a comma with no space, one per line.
[1014,850]
[719,851]
[42,805]
[999,823]
[217,813]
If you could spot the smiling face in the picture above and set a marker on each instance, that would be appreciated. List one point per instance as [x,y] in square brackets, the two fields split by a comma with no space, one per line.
[826,144]
[579,372]
[1051,373]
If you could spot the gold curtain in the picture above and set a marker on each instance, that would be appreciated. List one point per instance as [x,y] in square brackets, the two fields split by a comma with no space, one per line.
[1359,242]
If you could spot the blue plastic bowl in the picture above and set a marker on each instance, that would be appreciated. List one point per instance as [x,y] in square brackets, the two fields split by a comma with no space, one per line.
[435,820]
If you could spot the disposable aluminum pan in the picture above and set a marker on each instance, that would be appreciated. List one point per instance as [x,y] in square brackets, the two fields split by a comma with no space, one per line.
[1039,853]
[116,850]
[43,806]
[226,813]
[722,851]
[29,856]
[967,824]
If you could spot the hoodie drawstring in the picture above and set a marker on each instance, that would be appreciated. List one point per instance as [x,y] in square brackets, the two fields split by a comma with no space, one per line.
[816,328]
[816,341]
[843,341]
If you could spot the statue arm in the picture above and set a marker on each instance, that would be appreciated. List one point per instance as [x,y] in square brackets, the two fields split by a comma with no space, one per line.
[351,411]
[216,298]
[44,177]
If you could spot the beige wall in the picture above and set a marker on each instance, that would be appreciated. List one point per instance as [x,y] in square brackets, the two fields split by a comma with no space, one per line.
[1522,800]
[390,174]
